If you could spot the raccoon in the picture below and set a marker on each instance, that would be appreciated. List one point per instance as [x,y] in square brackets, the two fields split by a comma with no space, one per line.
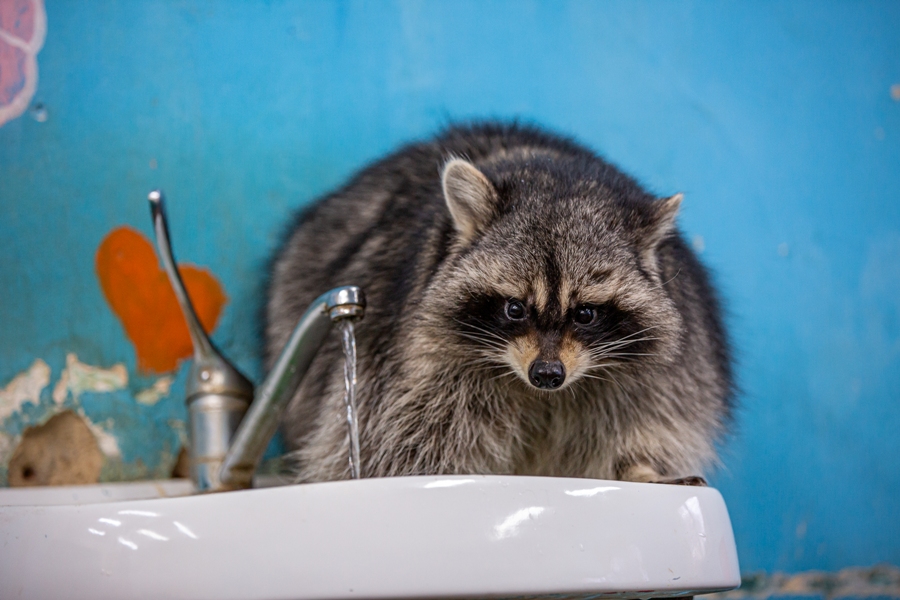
[531,311]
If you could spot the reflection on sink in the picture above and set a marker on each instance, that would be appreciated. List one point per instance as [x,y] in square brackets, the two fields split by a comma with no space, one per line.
[406,537]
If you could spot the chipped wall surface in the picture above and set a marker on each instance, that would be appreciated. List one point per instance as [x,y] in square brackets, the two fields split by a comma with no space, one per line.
[779,120]
[133,442]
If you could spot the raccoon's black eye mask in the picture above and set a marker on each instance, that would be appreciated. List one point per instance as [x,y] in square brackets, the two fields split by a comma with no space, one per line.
[603,327]
[500,316]
[611,329]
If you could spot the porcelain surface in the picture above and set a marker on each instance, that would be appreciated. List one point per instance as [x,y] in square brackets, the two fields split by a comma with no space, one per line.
[406,537]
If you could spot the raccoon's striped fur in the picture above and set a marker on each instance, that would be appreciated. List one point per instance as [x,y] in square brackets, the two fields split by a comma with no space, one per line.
[531,310]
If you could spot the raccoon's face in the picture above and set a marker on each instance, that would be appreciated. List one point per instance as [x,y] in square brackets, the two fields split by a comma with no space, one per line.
[555,291]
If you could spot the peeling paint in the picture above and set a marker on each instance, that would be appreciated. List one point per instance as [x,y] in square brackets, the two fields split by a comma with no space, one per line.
[25,387]
[108,443]
[78,378]
[156,392]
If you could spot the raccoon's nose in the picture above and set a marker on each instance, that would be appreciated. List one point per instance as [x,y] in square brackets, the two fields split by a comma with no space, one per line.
[547,375]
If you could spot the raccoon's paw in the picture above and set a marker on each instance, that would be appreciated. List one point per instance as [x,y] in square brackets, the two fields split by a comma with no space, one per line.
[642,473]
[694,480]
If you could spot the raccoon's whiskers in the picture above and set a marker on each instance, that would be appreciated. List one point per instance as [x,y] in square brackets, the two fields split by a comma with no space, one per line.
[486,348]
[618,354]
[481,339]
[607,380]
[630,336]
[589,376]
[626,340]
[490,362]
[605,365]
[599,356]
[509,373]
[482,336]
[614,345]
[600,350]
[479,329]
[622,373]
[486,361]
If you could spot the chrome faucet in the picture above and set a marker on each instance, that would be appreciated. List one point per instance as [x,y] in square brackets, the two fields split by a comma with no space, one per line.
[229,430]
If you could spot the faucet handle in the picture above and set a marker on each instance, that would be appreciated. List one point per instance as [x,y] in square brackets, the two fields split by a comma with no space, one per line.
[211,372]
[217,394]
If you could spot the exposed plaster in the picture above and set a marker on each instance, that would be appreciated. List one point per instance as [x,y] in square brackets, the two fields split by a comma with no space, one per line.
[6,447]
[25,387]
[75,379]
[108,443]
[78,377]
[160,389]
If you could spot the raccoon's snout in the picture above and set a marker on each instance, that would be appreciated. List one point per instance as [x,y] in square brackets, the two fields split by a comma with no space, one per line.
[546,375]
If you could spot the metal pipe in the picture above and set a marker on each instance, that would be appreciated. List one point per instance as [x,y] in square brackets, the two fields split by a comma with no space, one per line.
[261,421]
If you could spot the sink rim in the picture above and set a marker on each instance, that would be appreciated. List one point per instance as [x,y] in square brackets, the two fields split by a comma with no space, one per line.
[523,541]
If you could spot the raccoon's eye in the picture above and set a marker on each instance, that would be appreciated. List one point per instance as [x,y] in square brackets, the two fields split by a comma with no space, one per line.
[515,310]
[585,315]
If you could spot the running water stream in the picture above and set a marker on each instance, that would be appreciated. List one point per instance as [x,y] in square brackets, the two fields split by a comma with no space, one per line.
[348,341]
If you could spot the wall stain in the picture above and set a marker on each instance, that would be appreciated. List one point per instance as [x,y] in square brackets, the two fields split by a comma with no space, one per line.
[139,293]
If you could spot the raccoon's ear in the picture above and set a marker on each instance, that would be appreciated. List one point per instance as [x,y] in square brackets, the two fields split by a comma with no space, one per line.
[660,225]
[471,198]
[665,211]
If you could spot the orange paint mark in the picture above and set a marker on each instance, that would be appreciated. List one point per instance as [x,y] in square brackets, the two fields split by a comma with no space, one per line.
[140,294]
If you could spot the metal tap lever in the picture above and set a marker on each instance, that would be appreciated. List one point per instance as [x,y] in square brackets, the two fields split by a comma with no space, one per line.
[217,394]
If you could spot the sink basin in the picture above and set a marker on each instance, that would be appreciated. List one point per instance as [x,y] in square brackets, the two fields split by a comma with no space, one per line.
[404,537]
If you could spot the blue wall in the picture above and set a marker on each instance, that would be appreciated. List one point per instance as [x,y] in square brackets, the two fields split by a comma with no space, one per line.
[775,118]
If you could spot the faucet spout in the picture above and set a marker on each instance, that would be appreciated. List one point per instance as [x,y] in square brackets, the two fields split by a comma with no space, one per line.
[261,421]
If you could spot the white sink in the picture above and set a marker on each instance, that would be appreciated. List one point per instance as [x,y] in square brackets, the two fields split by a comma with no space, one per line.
[406,537]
